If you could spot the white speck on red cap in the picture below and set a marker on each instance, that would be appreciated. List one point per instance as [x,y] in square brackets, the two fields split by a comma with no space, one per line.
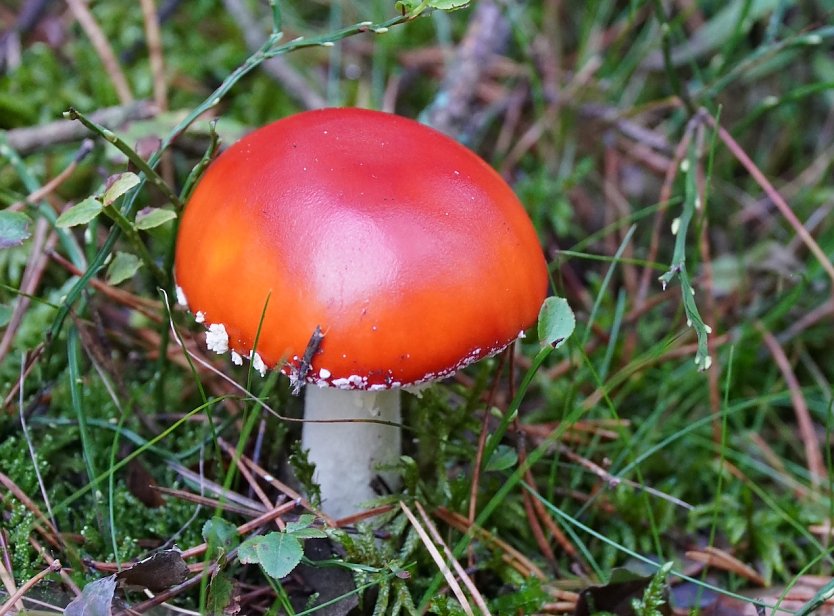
[217,339]
[258,364]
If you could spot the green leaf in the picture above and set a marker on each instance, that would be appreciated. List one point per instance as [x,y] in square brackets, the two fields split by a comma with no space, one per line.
[123,266]
[556,322]
[277,553]
[220,537]
[448,5]
[80,213]
[152,217]
[14,229]
[303,521]
[221,593]
[415,7]
[503,458]
[309,533]
[119,185]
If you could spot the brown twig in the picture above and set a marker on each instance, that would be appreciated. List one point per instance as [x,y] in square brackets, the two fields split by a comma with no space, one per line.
[511,556]
[154,41]
[482,438]
[54,183]
[53,567]
[43,242]
[486,35]
[253,484]
[32,138]
[467,581]
[774,196]
[270,479]
[148,307]
[65,576]
[99,41]
[438,560]
[160,86]
[813,455]
[278,68]
[719,559]
[8,581]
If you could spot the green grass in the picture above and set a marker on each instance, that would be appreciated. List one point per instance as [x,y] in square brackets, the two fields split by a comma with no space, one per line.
[603,117]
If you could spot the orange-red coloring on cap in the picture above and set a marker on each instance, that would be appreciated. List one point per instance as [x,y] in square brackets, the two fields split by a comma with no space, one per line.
[410,253]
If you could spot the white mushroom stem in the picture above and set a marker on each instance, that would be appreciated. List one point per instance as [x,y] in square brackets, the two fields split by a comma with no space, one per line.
[347,455]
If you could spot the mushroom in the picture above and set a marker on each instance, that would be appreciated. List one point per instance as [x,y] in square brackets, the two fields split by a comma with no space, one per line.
[365,253]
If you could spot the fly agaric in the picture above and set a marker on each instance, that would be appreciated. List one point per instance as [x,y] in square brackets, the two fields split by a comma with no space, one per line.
[366,253]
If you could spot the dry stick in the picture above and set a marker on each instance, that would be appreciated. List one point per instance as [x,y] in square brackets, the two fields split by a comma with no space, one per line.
[8,581]
[54,183]
[714,375]
[154,42]
[534,514]
[51,533]
[813,456]
[43,242]
[148,307]
[618,204]
[534,522]
[97,37]
[547,520]
[206,501]
[482,438]
[719,559]
[199,550]
[295,496]
[810,319]
[512,556]
[253,483]
[438,559]
[278,68]
[54,567]
[29,139]
[65,577]
[774,196]
[487,33]
[613,480]
[467,581]
[160,87]
[172,592]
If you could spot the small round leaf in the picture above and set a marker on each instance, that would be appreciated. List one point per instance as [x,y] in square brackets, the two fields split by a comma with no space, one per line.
[152,217]
[277,553]
[80,213]
[119,185]
[556,322]
[14,229]
[123,266]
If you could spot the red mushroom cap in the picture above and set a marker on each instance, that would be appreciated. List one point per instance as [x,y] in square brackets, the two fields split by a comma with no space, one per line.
[410,253]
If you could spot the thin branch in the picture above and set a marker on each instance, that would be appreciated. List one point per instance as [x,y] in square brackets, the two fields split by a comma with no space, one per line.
[54,567]
[154,39]
[32,138]
[774,196]
[813,455]
[99,41]
[277,68]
